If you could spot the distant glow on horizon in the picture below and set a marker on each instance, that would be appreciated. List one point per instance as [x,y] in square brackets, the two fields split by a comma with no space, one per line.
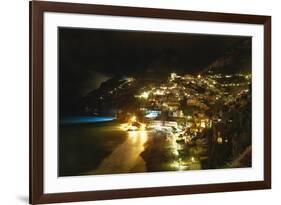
[85,119]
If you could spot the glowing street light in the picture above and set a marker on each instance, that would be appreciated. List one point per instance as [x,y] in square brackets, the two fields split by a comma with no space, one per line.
[219,140]
[133,118]
[144,95]
[173,76]
[203,124]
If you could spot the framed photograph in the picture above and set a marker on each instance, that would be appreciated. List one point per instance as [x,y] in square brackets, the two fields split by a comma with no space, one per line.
[138,102]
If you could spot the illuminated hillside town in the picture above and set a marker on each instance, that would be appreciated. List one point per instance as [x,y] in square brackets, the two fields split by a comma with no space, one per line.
[135,102]
[188,122]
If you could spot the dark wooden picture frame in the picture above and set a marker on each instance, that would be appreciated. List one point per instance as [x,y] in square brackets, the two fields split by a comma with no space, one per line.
[37,9]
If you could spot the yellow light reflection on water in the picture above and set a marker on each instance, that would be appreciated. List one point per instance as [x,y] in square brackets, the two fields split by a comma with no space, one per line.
[132,134]
[124,126]
[126,156]
[143,134]
[139,137]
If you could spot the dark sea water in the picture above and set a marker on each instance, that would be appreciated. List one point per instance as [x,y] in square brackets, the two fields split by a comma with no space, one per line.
[98,145]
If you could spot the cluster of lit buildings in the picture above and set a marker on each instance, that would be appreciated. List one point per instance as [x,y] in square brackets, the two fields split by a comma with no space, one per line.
[163,104]
[183,107]
[178,90]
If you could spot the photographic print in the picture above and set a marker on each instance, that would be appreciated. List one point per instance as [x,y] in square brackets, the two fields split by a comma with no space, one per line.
[130,102]
[140,101]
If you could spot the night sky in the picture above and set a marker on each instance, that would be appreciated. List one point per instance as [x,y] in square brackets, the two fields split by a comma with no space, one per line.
[88,57]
